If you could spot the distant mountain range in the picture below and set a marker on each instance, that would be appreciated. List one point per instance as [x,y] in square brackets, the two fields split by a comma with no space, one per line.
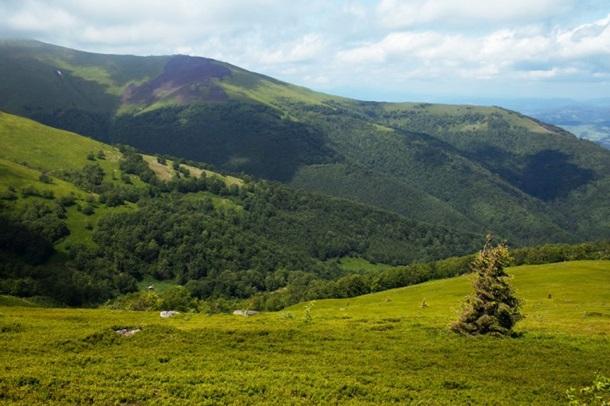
[589,120]
[469,168]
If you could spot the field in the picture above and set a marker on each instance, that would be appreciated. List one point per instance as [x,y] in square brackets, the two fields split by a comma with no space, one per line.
[378,348]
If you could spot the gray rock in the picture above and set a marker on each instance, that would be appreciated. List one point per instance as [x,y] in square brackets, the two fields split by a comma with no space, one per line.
[168,313]
[245,313]
[127,332]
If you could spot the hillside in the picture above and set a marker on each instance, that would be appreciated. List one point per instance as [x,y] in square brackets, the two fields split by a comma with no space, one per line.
[84,221]
[383,348]
[470,168]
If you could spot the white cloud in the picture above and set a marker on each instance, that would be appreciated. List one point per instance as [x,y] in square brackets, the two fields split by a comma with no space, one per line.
[496,54]
[344,44]
[42,18]
[304,49]
[400,14]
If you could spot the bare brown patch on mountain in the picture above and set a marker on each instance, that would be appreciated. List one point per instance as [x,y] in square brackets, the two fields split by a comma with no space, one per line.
[185,79]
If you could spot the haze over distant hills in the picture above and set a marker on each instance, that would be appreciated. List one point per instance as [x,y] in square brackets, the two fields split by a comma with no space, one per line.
[587,119]
[470,168]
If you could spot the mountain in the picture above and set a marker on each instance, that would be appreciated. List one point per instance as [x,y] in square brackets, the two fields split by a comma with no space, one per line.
[469,168]
[82,221]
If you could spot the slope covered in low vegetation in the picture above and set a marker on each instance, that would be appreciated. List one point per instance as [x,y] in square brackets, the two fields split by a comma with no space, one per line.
[384,348]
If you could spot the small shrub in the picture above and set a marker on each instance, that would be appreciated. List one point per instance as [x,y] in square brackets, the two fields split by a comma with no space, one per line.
[598,393]
[29,191]
[67,201]
[307,315]
[8,195]
[88,210]
[47,194]
[91,156]
[44,178]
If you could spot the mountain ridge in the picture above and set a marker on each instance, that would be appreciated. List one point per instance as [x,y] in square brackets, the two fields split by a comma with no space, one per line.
[494,169]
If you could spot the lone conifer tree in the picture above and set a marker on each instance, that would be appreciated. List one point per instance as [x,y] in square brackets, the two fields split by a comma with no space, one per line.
[493,308]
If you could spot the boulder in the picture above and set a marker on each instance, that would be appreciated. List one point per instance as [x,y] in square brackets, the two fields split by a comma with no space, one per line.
[245,313]
[168,313]
[127,332]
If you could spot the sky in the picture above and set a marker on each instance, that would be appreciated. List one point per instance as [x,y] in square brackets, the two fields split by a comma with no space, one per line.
[424,50]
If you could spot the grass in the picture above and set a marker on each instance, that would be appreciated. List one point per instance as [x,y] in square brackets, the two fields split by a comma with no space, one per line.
[30,149]
[354,264]
[79,224]
[48,149]
[6,300]
[246,85]
[512,118]
[219,203]
[167,172]
[379,348]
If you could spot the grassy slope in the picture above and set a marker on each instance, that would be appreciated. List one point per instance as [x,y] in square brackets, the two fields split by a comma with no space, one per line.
[30,148]
[361,265]
[380,348]
[167,172]
[578,291]
[95,81]
[49,149]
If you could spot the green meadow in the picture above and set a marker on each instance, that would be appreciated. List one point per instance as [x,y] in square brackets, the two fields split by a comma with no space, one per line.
[384,348]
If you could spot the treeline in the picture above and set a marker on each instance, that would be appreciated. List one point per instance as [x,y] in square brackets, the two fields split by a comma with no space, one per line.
[551,253]
[359,284]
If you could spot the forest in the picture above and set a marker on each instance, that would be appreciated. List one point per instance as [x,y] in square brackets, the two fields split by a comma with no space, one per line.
[219,240]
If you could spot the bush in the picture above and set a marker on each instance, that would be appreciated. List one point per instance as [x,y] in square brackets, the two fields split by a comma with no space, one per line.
[177,298]
[88,210]
[67,201]
[598,393]
[140,301]
[44,178]
[30,191]
[8,195]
